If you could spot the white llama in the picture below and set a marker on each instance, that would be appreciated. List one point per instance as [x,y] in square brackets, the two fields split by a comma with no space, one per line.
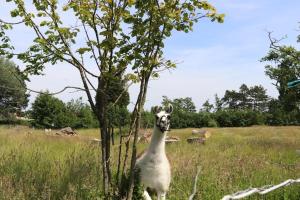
[153,165]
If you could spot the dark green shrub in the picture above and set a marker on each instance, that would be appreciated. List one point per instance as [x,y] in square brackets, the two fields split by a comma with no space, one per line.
[212,123]
[50,112]
[81,115]
[223,118]
[239,118]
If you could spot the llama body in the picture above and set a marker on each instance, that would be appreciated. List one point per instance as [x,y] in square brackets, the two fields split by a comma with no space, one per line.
[153,165]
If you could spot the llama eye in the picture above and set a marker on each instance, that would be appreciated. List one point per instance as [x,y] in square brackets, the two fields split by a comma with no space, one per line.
[156,117]
[168,117]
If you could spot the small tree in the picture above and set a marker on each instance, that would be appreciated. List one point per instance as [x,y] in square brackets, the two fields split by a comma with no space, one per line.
[253,98]
[284,67]
[258,98]
[218,103]
[207,107]
[231,99]
[118,35]
[180,104]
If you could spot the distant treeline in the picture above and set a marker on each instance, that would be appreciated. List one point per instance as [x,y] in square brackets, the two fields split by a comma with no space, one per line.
[246,107]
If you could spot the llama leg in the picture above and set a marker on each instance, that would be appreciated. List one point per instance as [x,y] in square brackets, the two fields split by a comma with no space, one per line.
[161,196]
[146,195]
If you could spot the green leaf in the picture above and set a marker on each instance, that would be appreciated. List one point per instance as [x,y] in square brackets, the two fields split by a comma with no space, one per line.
[83,50]
[43,23]
[14,13]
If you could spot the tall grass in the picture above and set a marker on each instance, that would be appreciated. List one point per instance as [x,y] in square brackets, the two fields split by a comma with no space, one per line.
[34,165]
[37,166]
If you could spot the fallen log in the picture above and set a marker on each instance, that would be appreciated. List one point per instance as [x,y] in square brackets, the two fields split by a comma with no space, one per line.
[197,140]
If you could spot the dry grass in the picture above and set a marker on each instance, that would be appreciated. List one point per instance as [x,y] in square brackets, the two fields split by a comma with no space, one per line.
[235,159]
[34,165]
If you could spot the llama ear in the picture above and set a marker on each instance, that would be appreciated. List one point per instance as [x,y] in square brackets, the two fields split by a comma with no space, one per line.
[156,109]
[169,109]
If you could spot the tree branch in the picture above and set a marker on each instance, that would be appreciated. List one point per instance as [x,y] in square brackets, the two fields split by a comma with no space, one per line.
[92,48]
[39,92]
[11,23]
[274,45]
[67,46]
[93,25]
[274,41]
[39,34]
[88,93]
[90,83]
[124,90]
[58,92]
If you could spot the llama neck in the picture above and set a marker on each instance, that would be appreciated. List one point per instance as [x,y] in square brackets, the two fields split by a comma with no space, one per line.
[157,143]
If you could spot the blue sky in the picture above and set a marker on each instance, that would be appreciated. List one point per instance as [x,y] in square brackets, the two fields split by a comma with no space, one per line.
[213,58]
[216,57]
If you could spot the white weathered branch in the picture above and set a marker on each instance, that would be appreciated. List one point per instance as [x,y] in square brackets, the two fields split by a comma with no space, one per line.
[262,190]
[195,185]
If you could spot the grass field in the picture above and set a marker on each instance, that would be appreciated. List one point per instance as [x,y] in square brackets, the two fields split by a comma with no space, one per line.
[34,165]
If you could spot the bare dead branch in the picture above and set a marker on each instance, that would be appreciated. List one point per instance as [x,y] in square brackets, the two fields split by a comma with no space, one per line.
[275,46]
[273,41]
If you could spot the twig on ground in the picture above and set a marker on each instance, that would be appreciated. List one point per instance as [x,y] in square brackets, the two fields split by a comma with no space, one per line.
[195,185]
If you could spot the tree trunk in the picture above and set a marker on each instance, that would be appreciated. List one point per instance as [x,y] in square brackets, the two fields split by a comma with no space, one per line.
[141,102]
[104,163]
[119,156]
[112,136]
[102,106]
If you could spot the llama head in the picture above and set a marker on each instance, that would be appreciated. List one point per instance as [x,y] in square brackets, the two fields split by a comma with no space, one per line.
[163,117]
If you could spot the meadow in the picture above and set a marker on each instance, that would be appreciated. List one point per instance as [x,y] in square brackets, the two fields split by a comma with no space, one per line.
[36,165]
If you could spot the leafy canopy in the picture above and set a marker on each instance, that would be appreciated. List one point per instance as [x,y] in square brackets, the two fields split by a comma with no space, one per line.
[284,66]
[13,96]
[253,98]
[180,104]
[49,112]
[116,32]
